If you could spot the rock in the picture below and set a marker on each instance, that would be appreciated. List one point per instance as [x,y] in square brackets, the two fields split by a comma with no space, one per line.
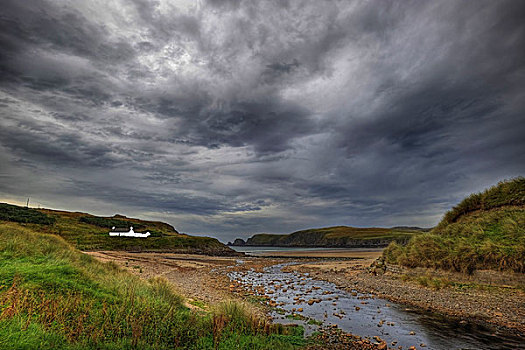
[238,242]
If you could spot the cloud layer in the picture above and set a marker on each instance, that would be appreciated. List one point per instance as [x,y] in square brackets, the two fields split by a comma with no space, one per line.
[231,117]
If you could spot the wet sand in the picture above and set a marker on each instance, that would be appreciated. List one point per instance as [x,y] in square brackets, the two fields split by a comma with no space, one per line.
[197,277]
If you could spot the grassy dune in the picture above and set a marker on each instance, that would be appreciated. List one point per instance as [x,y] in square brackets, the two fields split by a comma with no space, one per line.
[337,236]
[89,232]
[484,231]
[52,296]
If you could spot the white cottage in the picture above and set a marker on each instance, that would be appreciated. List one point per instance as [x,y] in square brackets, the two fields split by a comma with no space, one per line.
[130,233]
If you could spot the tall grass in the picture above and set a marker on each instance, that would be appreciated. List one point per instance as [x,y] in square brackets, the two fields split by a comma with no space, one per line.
[230,316]
[508,192]
[53,296]
[485,231]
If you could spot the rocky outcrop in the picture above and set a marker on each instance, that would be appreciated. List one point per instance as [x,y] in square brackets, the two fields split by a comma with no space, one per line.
[238,242]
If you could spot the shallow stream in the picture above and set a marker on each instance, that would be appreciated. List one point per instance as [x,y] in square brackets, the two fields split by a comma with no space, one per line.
[366,316]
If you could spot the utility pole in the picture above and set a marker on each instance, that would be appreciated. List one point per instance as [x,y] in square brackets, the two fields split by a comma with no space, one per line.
[27,204]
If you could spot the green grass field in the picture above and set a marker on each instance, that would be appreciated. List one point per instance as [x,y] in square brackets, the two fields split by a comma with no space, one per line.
[485,231]
[89,232]
[53,296]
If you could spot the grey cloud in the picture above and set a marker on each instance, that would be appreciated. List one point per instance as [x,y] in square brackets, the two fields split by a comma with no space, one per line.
[43,23]
[239,116]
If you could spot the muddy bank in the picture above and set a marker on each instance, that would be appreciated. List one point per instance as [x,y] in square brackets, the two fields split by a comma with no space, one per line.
[497,301]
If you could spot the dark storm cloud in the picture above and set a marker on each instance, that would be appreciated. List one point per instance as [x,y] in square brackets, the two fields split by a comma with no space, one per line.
[229,117]
[266,125]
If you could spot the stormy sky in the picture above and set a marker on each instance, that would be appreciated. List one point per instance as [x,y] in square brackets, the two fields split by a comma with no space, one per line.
[226,118]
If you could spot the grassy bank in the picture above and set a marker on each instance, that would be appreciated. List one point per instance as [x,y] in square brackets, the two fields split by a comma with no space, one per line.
[505,193]
[54,297]
[89,232]
[484,231]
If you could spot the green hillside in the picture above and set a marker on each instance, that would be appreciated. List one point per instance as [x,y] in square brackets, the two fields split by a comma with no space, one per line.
[485,231]
[337,236]
[53,296]
[89,232]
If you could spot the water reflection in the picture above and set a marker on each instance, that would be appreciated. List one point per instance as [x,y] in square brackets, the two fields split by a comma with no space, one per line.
[298,294]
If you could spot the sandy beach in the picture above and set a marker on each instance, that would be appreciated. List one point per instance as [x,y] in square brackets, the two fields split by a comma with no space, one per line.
[325,253]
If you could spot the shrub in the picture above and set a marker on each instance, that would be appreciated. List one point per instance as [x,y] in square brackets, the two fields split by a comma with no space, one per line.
[110,222]
[15,213]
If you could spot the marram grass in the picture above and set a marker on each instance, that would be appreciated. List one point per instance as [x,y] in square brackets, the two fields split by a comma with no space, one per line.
[485,231]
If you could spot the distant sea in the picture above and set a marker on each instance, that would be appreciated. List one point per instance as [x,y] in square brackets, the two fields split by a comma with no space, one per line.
[253,250]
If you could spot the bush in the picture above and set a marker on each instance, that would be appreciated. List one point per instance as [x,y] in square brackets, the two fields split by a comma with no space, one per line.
[433,282]
[108,223]
[15,213]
